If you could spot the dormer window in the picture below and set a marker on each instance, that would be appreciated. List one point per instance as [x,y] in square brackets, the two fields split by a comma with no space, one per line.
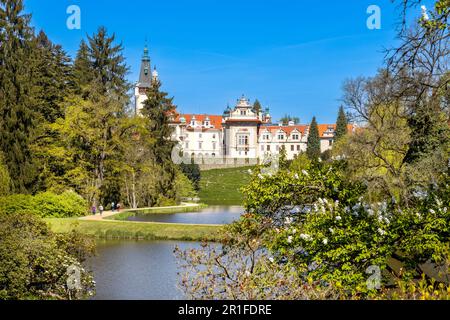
[295,137]
[243,112]
[280,136]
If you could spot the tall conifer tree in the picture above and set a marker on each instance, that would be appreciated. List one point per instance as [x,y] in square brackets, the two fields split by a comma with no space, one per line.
[341,124]
[17,105]
[313,144]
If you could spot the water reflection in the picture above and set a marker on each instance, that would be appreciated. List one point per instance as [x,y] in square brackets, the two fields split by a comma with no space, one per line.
[139,270]
[210,215]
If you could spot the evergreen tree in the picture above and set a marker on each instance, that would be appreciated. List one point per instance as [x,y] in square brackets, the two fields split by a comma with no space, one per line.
[257,108]
[55,79]
[107,65]
[341,125]
[17,105]
[157,108]
[288,118]
[82,67]
[53,83]
[313,144]
[94,123]
[192,171]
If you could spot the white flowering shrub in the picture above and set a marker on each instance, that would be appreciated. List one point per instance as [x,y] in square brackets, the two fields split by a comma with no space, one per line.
[330,235]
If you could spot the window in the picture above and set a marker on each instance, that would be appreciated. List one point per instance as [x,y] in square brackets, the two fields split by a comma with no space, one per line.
[200,135]
[262,147]
[187,145]
[243,112]
[214,146]
[295,137]
[277,148]
[292,147]
[330,142]
[281,137]
[214,136]
[298,147]
[268,147]
[200,145]
[243,140]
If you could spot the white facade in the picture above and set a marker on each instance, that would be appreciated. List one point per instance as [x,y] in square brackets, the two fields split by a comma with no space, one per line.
[241,133]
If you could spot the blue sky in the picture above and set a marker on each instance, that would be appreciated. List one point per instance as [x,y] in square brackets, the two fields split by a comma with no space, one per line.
[291,55]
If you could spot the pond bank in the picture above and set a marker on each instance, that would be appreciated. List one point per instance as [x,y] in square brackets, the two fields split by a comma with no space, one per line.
[104,227]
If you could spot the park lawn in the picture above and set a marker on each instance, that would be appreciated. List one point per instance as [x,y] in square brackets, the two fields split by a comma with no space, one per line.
[221,186]
[110,229]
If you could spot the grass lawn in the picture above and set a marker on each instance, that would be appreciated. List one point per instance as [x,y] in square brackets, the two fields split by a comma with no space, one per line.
[221,186]
[135,230]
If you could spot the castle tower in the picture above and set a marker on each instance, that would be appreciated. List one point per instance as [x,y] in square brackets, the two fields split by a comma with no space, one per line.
[145,81]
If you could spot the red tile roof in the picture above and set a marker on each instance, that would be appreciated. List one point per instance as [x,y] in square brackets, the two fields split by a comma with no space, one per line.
[244,120]
[287,129]
[216,121]
[324,127]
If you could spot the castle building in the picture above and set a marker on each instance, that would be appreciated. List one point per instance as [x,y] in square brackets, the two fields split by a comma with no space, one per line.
[146,77]
[239,133]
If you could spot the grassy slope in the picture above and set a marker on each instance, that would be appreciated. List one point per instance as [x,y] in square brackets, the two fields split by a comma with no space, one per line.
[221,186]
[135,230]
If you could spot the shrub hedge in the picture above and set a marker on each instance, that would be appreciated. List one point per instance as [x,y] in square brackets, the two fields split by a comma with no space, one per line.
[47,204]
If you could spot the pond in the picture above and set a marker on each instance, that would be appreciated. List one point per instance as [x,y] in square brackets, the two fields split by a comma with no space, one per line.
[209,215]
[137,270]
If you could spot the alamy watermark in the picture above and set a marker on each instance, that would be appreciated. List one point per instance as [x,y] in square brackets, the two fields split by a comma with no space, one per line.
[374,280]
[374,20]
[73,281]
[73,22]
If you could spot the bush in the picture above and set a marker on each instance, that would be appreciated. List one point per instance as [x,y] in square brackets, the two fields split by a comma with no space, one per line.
[321,225]
[47,204]
[35,263]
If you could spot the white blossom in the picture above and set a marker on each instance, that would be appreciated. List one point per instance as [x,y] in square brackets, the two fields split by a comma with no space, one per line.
[271,259]
[331,230]
[294,231]
[289,239]
[424,13]
[381,231]
[432,211]
[288,220]
[305,237]
[250,171]
[296,176]
[260,176]
[325,241]
[338,218]
[305,172]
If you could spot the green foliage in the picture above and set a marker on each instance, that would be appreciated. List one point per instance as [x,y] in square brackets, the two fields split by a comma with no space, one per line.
[192,171]
[341,125]
[320,226]
[257,108]
[18,120]
[313,144]
[301,185]
[376,155]
[287,118]
[47,204]
[184,188]
[34,262]
[5,180]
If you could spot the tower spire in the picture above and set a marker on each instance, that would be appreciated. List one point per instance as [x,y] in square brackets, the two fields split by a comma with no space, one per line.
[145,57]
